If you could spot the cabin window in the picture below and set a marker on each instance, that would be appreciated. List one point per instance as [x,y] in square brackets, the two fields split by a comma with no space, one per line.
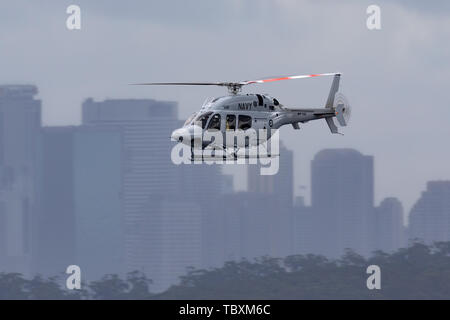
[260,99]
[245,122]
[214,123]
[230,123]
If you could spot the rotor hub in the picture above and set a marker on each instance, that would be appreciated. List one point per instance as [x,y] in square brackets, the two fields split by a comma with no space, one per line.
[234,88]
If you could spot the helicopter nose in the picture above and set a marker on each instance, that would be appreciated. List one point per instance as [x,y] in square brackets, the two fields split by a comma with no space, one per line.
[178,135]
[175,136]
[187,134]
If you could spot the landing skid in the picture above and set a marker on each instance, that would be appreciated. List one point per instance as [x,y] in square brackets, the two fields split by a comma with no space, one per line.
[232,157]
[226,154]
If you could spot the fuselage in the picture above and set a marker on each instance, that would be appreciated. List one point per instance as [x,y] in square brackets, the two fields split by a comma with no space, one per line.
[240,113]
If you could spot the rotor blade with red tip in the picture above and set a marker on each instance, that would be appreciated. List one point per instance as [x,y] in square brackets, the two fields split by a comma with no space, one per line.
[180,84]
[288,78]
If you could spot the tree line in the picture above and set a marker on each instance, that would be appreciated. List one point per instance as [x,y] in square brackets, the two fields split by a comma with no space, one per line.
[417,272]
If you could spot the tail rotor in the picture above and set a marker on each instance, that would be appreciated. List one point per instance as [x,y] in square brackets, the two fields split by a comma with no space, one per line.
[343,109]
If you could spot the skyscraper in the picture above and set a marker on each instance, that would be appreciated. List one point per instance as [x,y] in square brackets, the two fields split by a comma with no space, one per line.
[147,167]
[54,225]
[98,199]
[342,200]
[429,219]
[303,233]
[387,226]
[246,225]
[281,185]
[278,189]
[79,220]
[20,121]
[171,233]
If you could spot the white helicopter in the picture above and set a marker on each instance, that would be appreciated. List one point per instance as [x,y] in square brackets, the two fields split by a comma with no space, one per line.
[237,114]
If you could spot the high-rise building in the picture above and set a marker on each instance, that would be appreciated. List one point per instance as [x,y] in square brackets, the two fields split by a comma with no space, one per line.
[98,200]
[429,219]
[20,121]
[245,225]
[171,233]
[54,224]
[342,200]
[387,226]
[80,191]
[278,189]
[147,167]
[303,234]
[280,185]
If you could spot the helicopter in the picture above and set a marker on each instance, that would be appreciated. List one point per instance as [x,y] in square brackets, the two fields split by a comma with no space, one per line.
[237,114]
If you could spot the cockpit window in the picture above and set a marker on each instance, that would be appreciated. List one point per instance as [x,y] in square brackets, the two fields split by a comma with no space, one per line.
[215,122]
[203,118]
[216,99]
[190,119]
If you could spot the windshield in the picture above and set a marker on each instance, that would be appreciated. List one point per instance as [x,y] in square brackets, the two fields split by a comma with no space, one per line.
[190,119]
[203,118]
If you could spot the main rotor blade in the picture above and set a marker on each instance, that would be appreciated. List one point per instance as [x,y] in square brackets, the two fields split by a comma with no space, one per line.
[181,84]
[233,87]
[288,78]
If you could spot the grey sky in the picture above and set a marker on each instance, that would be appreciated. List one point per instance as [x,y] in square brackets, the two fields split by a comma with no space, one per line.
[396,79]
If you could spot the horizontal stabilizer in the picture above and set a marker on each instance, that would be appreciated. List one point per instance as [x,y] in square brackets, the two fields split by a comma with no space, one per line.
[331,125]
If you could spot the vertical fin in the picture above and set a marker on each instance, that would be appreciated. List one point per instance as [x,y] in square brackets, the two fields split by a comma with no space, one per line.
[333,90]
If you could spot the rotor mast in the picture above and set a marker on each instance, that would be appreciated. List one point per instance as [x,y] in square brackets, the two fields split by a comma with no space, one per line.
[234,88]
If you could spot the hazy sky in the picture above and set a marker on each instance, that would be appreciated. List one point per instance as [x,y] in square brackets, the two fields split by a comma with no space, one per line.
[396,78]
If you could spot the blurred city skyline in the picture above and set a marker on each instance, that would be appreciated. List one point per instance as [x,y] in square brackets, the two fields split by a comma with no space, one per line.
[395,78]
[240,182]
[105,195]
